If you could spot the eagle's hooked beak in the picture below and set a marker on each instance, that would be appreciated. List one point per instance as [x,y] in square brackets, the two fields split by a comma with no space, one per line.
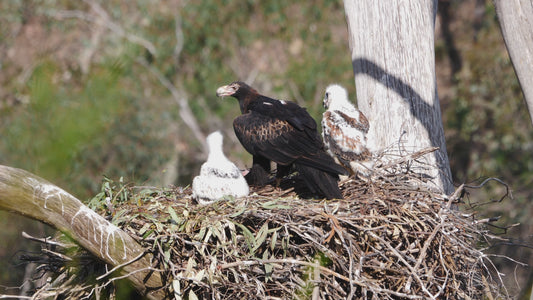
[226,90]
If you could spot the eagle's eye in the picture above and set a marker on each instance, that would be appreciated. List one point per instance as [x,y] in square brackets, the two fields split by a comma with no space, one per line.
[235,87]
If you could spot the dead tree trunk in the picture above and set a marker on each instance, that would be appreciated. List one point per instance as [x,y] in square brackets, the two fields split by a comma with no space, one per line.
[516,23]
[26,194]
[392,47]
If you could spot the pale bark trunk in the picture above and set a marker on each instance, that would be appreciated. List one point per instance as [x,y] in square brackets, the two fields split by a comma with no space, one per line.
[26,194]
[392,46]
[516,22]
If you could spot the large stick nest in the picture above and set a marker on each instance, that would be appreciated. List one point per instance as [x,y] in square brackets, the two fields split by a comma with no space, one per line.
[390,238]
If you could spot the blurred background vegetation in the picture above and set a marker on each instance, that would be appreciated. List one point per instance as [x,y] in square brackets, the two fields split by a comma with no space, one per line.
[127,89]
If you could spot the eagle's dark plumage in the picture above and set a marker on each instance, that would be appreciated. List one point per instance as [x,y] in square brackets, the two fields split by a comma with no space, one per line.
[285,133]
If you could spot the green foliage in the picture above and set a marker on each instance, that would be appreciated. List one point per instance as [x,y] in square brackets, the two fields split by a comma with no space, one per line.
[48,133]
[320,259]
[111,193]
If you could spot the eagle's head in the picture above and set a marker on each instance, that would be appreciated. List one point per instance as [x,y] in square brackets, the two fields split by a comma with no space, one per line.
[335,96]
[241,91]
[235,89]
[216,157]
[214,141]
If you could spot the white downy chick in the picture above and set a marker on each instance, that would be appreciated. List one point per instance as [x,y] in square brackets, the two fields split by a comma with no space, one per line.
[218,177]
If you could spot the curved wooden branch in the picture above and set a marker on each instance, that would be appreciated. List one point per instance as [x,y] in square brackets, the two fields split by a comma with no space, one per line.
[27,194]
[516,21]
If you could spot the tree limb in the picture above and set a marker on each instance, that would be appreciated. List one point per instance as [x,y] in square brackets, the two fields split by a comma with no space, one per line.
[516,21]
[29,195]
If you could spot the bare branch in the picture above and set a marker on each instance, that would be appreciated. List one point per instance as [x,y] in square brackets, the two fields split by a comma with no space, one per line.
[103,17]
[185,111]
[117,29]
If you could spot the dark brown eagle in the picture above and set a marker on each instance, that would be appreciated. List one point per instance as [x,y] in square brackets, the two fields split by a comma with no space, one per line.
[282,132]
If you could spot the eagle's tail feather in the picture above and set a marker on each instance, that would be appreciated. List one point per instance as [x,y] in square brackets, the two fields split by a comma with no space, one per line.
[319,182]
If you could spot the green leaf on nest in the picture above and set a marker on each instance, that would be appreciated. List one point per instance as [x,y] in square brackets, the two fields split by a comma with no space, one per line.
[274,205]
[173,215]
[250,239]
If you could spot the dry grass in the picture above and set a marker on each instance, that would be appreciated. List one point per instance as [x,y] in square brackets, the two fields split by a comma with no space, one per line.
[390,238]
